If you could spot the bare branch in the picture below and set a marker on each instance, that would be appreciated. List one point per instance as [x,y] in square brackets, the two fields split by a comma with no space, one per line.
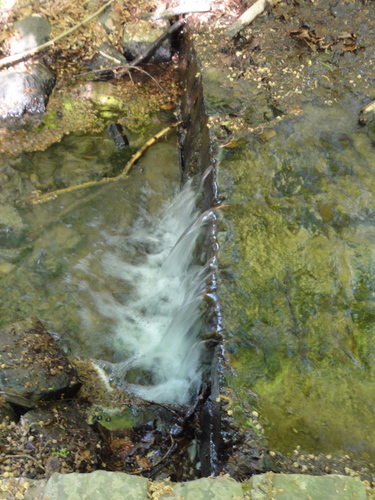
[40,198]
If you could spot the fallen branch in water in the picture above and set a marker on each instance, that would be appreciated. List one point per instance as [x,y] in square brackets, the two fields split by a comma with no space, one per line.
[247,17]
[126,68]
[41,198]
[7,61]
[152,49]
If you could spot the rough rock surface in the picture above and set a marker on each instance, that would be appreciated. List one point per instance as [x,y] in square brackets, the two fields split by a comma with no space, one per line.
[116,486]
[98,485]
[32,366]
[139,36]
[25,92]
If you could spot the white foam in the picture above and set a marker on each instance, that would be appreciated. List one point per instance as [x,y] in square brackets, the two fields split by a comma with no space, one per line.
[156,327]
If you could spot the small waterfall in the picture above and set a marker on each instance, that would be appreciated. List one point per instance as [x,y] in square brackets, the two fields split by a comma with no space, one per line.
[156,329]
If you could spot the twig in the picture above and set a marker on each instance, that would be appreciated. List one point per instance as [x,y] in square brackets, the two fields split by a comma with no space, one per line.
[110,58]
[53,194]
[247,17]
[148,54]
[7,61]
[177,11]
[127,67]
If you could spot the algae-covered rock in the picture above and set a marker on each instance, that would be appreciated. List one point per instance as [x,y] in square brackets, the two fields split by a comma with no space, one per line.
[300,309]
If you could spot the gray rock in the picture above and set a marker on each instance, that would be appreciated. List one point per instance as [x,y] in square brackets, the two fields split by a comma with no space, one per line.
[302,487]
[32,366]
[31,32]
[218,488]
[96,486]
[139,36]
[25,92]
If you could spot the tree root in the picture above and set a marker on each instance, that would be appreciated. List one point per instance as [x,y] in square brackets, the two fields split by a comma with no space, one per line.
[41,198]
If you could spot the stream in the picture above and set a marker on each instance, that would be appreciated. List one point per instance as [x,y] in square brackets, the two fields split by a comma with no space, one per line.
[115,273]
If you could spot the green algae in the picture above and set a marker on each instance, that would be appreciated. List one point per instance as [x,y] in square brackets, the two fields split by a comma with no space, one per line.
[300,249]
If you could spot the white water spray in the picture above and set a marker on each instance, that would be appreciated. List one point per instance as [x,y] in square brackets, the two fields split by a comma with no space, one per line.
[156,328]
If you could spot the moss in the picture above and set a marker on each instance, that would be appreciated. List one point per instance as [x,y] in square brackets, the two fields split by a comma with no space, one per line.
[300,308]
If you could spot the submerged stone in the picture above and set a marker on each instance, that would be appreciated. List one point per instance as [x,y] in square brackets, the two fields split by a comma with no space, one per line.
[300,308]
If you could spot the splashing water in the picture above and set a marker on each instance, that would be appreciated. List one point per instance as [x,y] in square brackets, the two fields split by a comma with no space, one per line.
[156,328]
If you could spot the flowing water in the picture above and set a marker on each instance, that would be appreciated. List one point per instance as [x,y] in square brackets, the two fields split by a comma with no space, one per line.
[116,272]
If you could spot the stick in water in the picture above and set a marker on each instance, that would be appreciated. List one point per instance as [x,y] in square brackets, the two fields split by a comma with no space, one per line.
[41,198]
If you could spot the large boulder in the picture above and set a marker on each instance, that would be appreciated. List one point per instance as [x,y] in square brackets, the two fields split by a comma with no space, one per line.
[139,36]
[32,366]
[25,92]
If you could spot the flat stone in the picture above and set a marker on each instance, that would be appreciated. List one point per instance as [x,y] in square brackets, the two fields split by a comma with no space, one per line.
[302,487]
[6,411]
[32,366]
[96,486]
[219,488]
